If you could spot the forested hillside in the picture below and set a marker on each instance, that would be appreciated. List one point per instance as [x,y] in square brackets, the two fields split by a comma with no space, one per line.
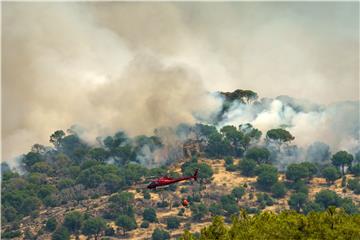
[74,188]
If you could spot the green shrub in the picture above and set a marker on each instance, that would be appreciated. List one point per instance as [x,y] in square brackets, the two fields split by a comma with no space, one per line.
[181,212]
[51,224]
[278,190]
[144,224]
[149,214]
[163,204]
[160,234]
[10,234]
[229,160]
[109,231]
[172,223]
[330,224]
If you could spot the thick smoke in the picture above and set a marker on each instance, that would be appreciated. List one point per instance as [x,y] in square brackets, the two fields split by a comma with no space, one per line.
[315,127]
[141,66]
[318,152]
[63,67]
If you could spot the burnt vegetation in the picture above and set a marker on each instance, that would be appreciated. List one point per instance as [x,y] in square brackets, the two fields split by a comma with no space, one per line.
[74,188]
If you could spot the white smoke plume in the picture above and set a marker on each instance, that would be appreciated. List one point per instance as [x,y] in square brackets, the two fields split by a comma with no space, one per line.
[139,66]
[335,124]
[62,67]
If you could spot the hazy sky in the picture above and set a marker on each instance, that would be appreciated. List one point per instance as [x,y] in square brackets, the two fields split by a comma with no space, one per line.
[137,66]
[307,50]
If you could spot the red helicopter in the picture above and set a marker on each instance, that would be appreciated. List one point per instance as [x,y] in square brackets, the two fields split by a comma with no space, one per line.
[163,181]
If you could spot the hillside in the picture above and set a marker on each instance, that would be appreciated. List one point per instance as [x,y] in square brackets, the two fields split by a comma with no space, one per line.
[75,189]
[222,183]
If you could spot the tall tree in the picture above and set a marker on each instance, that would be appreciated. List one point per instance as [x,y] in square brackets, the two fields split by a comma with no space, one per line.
[342,159]
[280,135]
[57,137]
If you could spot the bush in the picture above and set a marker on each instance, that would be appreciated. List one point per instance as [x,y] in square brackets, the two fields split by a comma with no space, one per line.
[73,221]
[312,207]
[286,225]
[109,231]
[252,210]
[349,207]
[215,209]
[311,167]
[264,198]
[181,212]
[149,214]
[267,176]
[187,225]
[61,234]
[163,204]
[238,192]
[327,198]
[354,184]
[172,223]
[93,226]
[184,190]
[300,186]
[296,172]
[51,224]
[198,211]
[159,234]
[297,201]
[196,198]
[279,190]
[28,235]
[259,154]
[229,204]
[51,201]
[231,168]
[247,167]
[146,195]
[65,183]
[144,224]
[176,204]
[10,234]
[126,223]
[10,213]
[331,174]
[229,160]
[355,169]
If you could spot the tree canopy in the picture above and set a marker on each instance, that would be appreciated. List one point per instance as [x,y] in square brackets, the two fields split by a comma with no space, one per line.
[259,154]
[267,225]
[342,159]
[280,135]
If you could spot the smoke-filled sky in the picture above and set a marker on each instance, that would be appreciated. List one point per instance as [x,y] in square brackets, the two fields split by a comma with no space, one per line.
[138,66]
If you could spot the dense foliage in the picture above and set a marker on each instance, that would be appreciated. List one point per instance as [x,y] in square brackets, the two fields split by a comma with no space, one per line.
[330,224]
